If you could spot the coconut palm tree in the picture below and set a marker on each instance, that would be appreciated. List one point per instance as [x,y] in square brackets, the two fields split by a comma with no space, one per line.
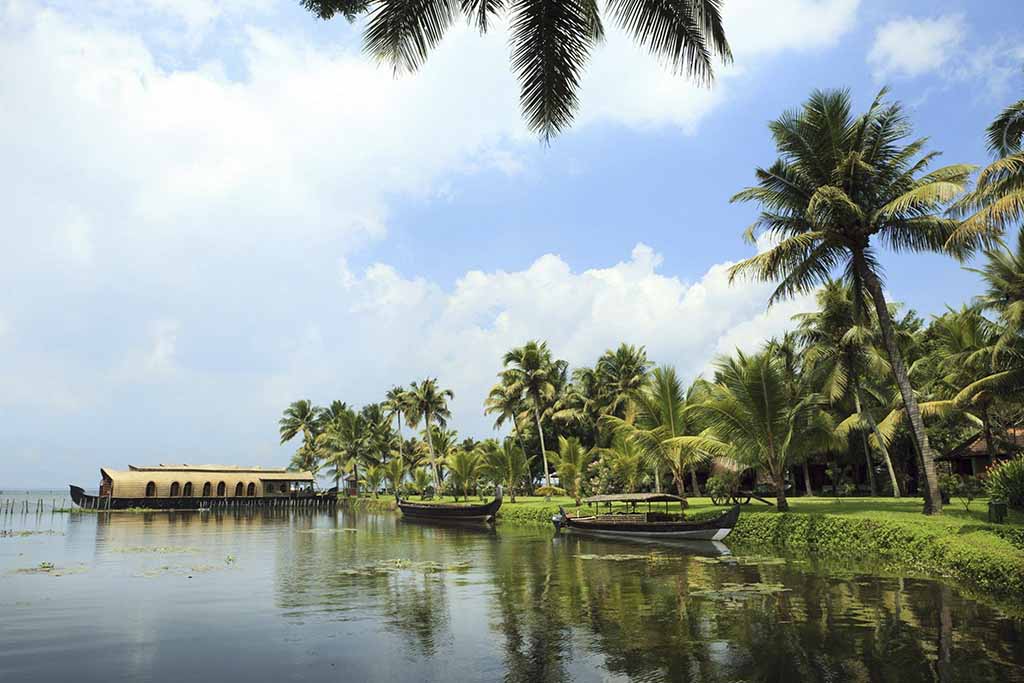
[841,348]
[373,477]
[621,374]
[626,460]
[396,402]
[506,464]
[464,468]
[420,480]
[756,418]
[841,180]
[665,431]
[530,372]
[571,462]
[394,472]
[997,201]
[301,417]
[429,403]
[551,40]
[506,403]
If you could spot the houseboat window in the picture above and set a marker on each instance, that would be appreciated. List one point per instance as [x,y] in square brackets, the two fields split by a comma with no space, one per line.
[221,489]
[284,488]
[206,490]
[175,489]
[250,490]
[238,489]
[187,492]
[150,489]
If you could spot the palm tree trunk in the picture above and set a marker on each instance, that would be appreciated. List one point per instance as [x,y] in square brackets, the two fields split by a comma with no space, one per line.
[543,451]
[433,457]
[932,499]
[693,480]
[780,490]
[990,447]
[807,481]
[680,478]
[657,480]
[864,442]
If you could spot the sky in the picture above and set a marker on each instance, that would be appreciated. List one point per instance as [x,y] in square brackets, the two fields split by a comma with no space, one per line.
[212,208]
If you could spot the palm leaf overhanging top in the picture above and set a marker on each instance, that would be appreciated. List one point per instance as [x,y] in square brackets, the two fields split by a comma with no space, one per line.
[551,40]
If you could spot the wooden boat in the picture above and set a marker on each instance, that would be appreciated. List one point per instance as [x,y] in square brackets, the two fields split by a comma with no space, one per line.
[201,487]
[451,512]
[628,523]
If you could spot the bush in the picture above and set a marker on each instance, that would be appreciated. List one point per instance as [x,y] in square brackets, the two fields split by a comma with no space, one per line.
[967,490]
[949,484]
[1005,481]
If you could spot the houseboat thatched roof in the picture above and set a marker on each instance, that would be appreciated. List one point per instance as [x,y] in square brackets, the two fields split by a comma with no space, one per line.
[132,483]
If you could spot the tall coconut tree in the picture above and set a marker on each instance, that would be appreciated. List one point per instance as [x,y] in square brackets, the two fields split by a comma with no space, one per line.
[551,40]
[396,402]
[302,417]
[428,403]
[842,186]
[621,375]
[840,345]
[505,402]
[530,372]
[757,420]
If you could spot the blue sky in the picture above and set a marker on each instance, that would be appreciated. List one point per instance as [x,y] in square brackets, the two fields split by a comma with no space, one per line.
[213,208]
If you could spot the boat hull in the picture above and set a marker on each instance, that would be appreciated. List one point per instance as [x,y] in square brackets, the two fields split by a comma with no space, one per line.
[450,513]
[90,502]
[706,530]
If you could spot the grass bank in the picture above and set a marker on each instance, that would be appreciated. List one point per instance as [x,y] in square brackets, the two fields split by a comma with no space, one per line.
[959,545]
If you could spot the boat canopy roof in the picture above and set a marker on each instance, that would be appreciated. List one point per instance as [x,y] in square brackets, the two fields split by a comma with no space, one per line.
[635,498]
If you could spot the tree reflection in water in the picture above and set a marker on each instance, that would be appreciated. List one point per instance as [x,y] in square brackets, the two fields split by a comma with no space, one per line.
[575,608]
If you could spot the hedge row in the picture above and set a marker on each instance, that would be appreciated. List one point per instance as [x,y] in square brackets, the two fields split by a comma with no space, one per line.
[979,558]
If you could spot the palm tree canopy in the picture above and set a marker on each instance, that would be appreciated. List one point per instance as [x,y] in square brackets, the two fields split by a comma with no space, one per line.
[300,417]
[551,40]
[428,401]
[839,182]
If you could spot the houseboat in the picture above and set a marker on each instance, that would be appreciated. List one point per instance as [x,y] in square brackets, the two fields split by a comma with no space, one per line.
[198,487]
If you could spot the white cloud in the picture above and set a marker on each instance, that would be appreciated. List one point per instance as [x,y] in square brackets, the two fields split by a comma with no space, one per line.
[415,328]
[911,47]
[144,179]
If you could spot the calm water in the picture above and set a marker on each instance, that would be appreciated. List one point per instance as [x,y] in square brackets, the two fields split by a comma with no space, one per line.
[173,597]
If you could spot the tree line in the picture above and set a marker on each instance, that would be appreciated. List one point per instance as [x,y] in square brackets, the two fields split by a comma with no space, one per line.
[858,381]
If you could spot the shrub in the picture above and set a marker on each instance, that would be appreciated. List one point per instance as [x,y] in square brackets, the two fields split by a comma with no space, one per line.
[967,490]
[1005,481]
[948,486]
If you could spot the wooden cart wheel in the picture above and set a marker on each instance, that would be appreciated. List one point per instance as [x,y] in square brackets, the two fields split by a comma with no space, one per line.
[715,500]
[745,501]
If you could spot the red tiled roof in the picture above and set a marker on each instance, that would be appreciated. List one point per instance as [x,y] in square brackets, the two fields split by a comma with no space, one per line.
[1006,444]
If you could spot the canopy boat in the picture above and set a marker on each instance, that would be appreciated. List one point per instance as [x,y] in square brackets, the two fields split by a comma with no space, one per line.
[201,487]
[451,512]
[629,523]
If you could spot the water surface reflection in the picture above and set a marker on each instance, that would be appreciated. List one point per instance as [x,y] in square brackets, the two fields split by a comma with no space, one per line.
[287,596]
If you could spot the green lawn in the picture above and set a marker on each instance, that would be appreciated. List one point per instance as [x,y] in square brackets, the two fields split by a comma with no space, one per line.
[954,516]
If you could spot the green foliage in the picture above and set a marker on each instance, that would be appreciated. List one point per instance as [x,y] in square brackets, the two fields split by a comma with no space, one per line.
[967,490]
[551,41]
[1005,481]
[723,485]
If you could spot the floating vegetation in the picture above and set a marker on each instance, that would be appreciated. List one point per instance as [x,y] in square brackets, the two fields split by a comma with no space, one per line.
[620,557]
[383,567]
[347,530]
[166,569]
[7,533]
[161,549]
[230,559]
[738,592]
[50,569]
